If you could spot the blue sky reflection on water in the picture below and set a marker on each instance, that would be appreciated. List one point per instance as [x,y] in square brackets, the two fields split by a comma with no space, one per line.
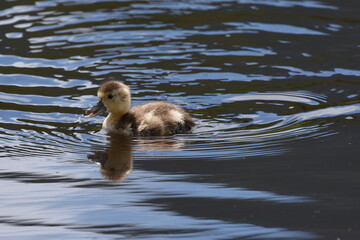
[126,208]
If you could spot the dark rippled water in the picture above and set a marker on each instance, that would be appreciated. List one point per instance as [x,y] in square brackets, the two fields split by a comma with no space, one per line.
[273,86]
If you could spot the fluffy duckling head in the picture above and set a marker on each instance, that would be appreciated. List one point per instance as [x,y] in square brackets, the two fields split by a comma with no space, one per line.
[114,97]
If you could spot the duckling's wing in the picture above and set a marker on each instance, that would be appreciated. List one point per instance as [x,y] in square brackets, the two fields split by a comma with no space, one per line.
[159,118]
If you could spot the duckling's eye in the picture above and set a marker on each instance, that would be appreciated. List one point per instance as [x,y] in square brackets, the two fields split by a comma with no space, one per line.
[110,96]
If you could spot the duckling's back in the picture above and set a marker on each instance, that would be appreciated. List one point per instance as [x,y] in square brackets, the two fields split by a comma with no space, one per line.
[159,118]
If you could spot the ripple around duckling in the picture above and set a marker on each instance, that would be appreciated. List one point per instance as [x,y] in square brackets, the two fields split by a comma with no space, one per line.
[242,135]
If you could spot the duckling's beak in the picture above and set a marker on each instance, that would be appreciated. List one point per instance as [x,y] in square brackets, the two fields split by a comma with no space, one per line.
[97,109]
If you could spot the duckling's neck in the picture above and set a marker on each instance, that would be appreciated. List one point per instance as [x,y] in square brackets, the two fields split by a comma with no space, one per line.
[111,120]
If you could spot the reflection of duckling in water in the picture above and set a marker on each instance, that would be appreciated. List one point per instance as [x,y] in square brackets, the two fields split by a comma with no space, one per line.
[151,119]
[116,160]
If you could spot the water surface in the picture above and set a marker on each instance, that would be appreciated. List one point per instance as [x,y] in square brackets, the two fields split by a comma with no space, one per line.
[273,87]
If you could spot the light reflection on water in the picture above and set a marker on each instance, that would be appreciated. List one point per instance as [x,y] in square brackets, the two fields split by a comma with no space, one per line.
[272,86]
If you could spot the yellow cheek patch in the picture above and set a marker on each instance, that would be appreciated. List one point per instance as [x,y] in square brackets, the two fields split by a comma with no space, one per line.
[101,95]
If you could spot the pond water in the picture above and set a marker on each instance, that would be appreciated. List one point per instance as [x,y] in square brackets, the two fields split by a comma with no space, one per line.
[272,84]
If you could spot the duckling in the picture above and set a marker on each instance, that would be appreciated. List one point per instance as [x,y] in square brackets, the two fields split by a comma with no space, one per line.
[151,119]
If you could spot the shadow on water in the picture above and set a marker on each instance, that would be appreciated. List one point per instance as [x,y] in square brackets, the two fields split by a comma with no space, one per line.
[273,86]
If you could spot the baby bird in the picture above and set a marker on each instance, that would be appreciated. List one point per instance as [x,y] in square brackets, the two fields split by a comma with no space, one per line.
[151,119]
